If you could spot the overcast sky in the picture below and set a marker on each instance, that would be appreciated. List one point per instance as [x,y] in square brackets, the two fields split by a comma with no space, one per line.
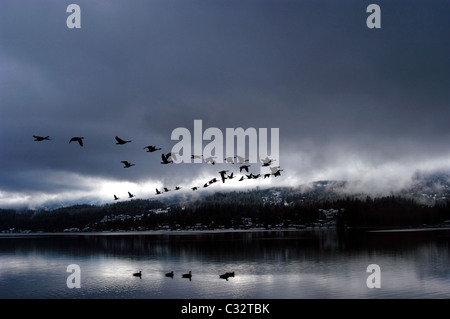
[350,102]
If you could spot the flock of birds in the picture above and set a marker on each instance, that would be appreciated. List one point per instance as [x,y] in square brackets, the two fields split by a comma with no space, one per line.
[169,158]
[188,275]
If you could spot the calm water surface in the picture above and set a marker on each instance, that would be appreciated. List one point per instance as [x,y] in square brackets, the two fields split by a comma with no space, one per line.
[267,264]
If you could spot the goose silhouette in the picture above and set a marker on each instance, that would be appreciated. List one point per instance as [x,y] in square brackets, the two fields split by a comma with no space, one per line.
[165,158]
[277,173]
[230,159]
[231,176]
[194,188]
[223,175]
[177,188]
[241,159]
[244,167]
[274,169]
[138,274]
[227,275]
[41,138]
[267,161]
[169,274]
[152,148]
[127,164]
[166,189]
[130,195]
[188,275]
[211,160]
[121,141]
[158,192]
[116,198]
[78,139]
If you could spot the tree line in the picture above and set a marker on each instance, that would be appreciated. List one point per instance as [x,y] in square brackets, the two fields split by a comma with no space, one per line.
[229,210]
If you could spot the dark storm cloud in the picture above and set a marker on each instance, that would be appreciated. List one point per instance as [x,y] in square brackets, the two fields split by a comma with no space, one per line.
[339,92]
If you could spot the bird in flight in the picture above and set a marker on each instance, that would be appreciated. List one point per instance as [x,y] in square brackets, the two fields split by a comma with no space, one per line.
[115,197]
[210,160]
[223,174]
[177,188]
[121,141]
[152,148]
[274,169]
[127,164]
[41,138]
[78,139]
[166,189]
[165,158]
[245,167]
[130,195]
[277,173]
[241,159]
[267,161]
[158,192]
[194,188]
[230,159]
[231,176]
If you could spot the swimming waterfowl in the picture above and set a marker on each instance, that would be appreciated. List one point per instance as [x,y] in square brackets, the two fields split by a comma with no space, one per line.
[188,275]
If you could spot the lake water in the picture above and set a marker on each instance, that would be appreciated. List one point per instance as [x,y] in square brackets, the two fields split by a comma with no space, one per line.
[267,264]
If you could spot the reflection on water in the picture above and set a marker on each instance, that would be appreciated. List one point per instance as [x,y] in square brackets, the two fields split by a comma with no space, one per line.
[267,264]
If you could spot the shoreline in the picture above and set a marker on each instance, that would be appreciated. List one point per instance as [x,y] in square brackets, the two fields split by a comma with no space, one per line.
[223,231]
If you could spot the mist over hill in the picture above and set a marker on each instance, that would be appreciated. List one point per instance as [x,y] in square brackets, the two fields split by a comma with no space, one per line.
[320,203]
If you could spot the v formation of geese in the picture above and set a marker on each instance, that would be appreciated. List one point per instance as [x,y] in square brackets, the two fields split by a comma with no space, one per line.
[169,158]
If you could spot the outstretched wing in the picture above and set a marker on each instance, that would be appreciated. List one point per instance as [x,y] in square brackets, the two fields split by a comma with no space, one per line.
[118,139]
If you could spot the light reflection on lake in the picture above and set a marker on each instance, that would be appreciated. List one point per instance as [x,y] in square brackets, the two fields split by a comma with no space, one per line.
[267,264]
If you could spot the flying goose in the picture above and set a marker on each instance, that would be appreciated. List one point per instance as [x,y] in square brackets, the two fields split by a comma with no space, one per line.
[121,141]
[274,169]
[210,159]
[277,173]
[223,175]
[241,159]
[194,188]
[169,274]
[245,167]
[127,164]
[41,138]
[152,148]
[158,192]
[230,159]
[115,197]
[165,158]
[78,139]
[138,274]
[130,195]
